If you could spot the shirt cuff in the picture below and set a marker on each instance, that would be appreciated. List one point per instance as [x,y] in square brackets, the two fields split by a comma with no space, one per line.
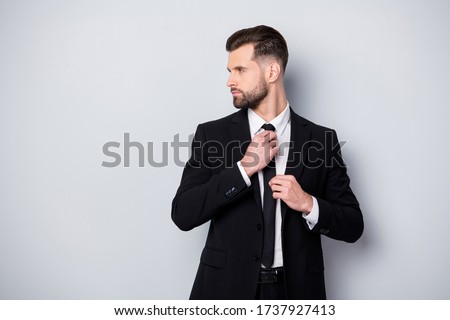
[244,174]
[313,216]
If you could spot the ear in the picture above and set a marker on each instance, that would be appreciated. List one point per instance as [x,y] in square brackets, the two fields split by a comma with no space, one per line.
[274,71]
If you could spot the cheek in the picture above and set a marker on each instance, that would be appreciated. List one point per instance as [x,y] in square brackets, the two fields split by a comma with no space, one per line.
[250,83]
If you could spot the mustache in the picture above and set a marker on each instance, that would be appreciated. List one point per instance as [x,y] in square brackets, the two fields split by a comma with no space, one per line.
[234,89]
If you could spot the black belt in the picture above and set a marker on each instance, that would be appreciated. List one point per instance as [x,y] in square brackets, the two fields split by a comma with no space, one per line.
[271,275]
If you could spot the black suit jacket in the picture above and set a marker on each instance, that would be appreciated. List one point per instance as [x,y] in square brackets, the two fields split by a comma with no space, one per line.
[212,189]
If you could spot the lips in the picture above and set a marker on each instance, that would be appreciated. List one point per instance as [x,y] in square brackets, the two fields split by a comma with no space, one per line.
[235,92]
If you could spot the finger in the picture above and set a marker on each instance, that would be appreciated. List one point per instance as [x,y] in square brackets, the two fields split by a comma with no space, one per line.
[272,144]
[279,195]
[278,180]
[273,151]
[272,135]
[264,134]
[277,188]
[261,137]
[276,195]
[285,177]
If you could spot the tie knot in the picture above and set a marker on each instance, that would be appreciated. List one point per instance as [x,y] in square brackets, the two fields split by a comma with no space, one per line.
[268,126]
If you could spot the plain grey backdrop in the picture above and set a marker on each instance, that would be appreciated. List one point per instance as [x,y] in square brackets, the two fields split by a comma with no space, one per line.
[75,75]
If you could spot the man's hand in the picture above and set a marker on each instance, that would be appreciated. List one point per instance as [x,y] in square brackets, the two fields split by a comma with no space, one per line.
[286,188]
[260,151]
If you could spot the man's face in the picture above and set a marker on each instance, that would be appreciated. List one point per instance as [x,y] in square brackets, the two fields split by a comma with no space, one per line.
[246,81]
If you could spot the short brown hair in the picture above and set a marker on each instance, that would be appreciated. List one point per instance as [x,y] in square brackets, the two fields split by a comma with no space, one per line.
[266,40]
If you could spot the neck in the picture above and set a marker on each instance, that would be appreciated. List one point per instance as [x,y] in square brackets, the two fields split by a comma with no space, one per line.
[272,105]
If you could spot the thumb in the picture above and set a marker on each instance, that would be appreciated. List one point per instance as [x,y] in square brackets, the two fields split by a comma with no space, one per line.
[274,151]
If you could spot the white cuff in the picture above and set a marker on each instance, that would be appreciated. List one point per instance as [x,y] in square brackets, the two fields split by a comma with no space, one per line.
[313,216]
[244,174]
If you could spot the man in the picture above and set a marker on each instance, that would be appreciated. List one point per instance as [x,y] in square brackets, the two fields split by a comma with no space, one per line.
[264,239]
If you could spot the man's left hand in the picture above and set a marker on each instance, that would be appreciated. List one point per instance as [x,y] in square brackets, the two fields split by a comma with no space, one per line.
[286,188]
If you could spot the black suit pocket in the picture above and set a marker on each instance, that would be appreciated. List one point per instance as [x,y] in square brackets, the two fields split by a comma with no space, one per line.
[315,264]
[214,258]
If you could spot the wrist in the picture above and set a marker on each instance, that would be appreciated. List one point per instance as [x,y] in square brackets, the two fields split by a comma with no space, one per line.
[308,204]
[248,168]
[248,171]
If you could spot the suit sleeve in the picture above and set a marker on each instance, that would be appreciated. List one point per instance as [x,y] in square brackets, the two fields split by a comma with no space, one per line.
[206,186]
[339,214]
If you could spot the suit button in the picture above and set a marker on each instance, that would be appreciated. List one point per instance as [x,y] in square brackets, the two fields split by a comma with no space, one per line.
[259,227]
[228,194]
[324,231]
[256,258]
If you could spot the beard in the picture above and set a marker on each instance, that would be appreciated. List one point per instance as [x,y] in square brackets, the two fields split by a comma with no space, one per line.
[251,99]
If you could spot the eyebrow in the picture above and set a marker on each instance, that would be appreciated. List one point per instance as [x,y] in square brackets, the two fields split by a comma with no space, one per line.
[237,68]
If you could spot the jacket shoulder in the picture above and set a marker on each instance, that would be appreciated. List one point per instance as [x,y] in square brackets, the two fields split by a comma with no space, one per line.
[236,116]
[309,124]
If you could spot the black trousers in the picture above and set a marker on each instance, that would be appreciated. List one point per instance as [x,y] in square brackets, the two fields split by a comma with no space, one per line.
[271,291]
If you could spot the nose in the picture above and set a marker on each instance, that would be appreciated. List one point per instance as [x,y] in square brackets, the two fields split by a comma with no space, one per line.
[231,81]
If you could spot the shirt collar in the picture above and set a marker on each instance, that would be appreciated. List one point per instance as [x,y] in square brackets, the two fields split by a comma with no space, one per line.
[280,122]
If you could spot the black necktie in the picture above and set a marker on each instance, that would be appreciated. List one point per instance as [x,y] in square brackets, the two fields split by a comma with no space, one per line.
[268,210]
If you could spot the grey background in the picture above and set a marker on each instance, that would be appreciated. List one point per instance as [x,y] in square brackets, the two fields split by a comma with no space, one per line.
[77,74]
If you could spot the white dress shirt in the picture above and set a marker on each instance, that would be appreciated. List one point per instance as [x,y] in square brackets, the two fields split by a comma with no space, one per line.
[282,124]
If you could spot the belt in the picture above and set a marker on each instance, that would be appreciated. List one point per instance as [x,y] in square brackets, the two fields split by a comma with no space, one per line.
[271,275]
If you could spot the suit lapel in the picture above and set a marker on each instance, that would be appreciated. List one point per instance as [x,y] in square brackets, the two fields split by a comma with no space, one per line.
[240,132]
[297,156]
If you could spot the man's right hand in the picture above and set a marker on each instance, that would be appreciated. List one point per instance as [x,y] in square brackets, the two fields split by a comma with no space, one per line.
[260,152]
